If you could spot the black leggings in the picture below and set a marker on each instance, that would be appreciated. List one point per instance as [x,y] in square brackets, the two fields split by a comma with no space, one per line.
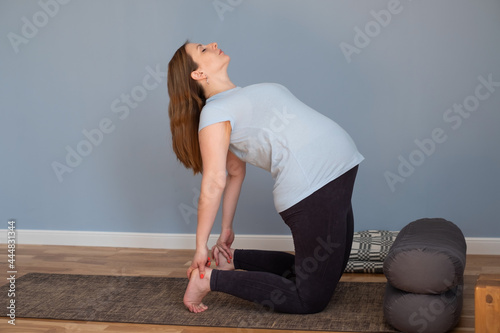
[322,227]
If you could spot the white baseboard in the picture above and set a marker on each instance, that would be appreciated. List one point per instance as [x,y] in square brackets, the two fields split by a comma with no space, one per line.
[483,245]
[142,240]
[475,245]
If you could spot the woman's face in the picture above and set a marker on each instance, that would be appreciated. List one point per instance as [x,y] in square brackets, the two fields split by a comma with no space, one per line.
[210,58]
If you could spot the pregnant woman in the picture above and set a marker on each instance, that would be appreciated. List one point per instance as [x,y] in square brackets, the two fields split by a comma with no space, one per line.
[218,127]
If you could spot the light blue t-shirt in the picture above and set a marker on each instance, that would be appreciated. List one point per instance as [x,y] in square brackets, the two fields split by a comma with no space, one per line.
[271,129]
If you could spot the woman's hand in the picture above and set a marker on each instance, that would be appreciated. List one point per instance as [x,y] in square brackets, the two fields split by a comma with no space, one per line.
[223,245]
[200,261]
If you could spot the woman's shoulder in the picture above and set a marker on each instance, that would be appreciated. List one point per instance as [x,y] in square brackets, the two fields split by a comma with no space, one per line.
[265,87]
[238,92]
[240,95]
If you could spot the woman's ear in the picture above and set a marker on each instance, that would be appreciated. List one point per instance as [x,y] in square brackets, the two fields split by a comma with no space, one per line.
[197,75]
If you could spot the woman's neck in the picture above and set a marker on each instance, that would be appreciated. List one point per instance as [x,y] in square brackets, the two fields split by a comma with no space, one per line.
[215,86]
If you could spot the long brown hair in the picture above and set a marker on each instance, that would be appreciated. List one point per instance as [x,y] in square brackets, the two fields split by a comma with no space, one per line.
[186,101]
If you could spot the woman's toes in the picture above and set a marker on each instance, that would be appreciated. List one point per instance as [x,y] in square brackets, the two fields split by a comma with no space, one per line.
[197,308]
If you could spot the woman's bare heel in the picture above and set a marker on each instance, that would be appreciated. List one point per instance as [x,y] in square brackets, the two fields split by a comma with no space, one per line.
[196,290]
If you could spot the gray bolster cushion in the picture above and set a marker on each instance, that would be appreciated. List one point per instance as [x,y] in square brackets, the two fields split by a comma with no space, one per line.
[427,257]
[420,313]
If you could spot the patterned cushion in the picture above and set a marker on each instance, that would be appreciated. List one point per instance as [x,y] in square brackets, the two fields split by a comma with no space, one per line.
[369,250]
[373,267]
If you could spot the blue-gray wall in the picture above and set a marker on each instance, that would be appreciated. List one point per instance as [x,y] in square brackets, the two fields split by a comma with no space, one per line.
[416,84]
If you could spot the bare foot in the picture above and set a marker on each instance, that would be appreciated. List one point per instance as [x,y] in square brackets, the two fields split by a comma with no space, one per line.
[223,264]
[196,290]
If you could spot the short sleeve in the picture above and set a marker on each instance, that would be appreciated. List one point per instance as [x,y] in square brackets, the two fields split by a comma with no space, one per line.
[211,115]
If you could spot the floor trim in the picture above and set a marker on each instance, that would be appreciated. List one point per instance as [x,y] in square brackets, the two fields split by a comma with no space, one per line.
[475,245]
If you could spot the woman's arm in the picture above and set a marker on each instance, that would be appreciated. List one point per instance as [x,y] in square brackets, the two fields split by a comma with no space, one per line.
[214,145]
[236,170]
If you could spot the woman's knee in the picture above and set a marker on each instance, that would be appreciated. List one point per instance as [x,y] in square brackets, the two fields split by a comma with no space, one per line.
[313,306]
[315,302]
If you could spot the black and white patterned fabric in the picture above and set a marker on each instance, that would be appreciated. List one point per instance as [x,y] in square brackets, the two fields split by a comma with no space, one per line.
[364,267]
[369,250]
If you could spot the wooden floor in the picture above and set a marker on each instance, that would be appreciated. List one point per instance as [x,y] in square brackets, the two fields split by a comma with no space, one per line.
[172,263]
